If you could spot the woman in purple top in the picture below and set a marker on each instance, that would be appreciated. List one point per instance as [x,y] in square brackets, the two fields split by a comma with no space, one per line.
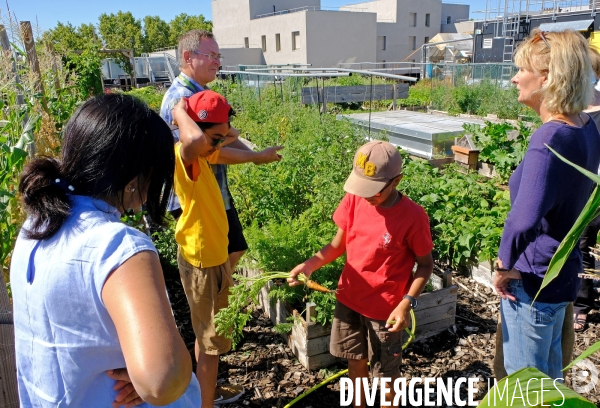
[547,196]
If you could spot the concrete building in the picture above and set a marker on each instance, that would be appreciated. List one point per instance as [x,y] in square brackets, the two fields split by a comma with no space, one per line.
[302,32]
[496,37]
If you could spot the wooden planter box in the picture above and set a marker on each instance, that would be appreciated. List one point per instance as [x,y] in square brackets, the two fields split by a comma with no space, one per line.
[466,156]
[309,341]
[486,170]
[439,163]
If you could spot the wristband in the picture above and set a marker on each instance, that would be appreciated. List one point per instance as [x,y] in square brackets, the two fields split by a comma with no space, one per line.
[413,302]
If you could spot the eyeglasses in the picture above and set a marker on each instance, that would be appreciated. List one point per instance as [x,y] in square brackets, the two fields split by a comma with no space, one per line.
[544,39]
[211,56]
[384,187]
[216,142]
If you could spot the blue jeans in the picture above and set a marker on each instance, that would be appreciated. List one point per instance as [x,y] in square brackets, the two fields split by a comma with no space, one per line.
[531,334]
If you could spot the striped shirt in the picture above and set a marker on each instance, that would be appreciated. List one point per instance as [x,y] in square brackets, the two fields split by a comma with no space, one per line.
[185,87]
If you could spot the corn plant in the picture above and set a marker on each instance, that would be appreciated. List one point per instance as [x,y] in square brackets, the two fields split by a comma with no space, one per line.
[16,137]
[554,393]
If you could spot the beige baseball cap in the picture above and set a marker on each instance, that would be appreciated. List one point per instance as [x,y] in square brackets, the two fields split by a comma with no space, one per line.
[375,163]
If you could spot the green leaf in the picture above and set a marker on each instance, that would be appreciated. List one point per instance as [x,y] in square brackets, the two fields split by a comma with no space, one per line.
[593,176]
[591,350]
[523,388]
[568,243]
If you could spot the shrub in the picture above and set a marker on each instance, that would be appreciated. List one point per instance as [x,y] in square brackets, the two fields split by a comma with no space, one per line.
[151,95]
[498,148]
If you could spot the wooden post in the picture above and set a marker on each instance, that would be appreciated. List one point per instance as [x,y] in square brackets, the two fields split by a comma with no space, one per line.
[8,54]
[447,279]
[311,312]
[324,98]
[395,85]
[27,34]
[9,396]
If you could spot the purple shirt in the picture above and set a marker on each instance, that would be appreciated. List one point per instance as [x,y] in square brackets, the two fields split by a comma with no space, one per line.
[547,195]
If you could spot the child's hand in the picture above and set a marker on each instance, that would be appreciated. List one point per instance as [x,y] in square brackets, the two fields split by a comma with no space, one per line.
[293,279]
[178,110]
[399,319]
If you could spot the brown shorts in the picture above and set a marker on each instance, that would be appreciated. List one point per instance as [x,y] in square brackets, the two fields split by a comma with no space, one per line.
[207,292]
[355,337]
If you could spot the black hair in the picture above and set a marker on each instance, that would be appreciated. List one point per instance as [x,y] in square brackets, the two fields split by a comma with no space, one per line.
[109,140]
[207,125]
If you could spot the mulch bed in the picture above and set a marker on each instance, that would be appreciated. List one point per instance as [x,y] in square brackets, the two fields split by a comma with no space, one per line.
[272,376]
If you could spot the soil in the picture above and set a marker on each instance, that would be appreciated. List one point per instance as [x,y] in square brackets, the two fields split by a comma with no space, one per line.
[272,376]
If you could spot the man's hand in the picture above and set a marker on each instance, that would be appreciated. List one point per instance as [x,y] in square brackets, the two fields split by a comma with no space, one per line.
[399,319]
[127,395]
[269,155]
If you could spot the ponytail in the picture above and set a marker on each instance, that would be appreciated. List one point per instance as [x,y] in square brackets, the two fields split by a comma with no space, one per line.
[44,193]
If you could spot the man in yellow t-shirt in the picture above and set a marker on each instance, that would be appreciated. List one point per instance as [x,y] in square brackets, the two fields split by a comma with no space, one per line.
[202,228]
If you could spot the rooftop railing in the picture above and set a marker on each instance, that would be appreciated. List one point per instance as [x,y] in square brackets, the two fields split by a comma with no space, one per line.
[305,8]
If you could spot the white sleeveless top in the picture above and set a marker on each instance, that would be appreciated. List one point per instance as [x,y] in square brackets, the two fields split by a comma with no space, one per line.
[65,339]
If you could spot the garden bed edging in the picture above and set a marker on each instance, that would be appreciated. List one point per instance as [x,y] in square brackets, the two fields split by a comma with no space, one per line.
[309,341]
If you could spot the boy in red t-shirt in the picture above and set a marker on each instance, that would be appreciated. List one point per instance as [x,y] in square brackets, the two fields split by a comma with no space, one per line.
[383,234]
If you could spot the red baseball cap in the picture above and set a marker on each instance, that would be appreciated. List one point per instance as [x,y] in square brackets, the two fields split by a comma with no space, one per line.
[207,106]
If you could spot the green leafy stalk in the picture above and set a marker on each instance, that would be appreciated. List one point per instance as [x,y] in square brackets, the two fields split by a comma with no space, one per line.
[590,211]
[525,388]
[230,321]
[591,350]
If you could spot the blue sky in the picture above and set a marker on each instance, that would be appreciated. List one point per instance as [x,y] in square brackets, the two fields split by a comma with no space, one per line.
[48,13]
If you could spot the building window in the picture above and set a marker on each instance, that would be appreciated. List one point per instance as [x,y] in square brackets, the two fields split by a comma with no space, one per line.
[412,42]
[426,40]
[264,43]
[277,42]
[295,40]
[246,42]
[427,18]
[448,20]
[381,40]
[412,19]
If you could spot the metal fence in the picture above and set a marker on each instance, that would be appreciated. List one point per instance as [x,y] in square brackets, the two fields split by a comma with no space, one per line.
[456,74]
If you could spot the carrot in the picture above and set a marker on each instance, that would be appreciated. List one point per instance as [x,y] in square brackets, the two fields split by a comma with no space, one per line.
[318,287]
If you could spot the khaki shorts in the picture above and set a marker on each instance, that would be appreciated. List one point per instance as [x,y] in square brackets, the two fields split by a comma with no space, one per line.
[207,292]
[355,337]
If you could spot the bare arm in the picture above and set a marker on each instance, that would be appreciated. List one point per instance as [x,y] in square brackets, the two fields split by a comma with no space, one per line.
[237,143]
[327,254]
[237,152]
[193,140]
[401,313]
[230,155]
[157,360]
[233,139]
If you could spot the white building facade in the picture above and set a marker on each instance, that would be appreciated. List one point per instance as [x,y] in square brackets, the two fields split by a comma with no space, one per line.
[301,32]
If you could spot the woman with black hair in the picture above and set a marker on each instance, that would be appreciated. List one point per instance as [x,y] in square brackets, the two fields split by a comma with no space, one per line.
[93,326]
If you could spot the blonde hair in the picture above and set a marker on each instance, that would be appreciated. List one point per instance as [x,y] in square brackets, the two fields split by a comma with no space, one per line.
[190,41]
[595,58]
[565,58]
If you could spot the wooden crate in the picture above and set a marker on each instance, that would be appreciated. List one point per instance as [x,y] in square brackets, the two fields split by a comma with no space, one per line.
[466,156]
[309,341]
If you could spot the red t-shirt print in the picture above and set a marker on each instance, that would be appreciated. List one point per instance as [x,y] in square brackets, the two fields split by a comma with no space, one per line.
[381,246]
